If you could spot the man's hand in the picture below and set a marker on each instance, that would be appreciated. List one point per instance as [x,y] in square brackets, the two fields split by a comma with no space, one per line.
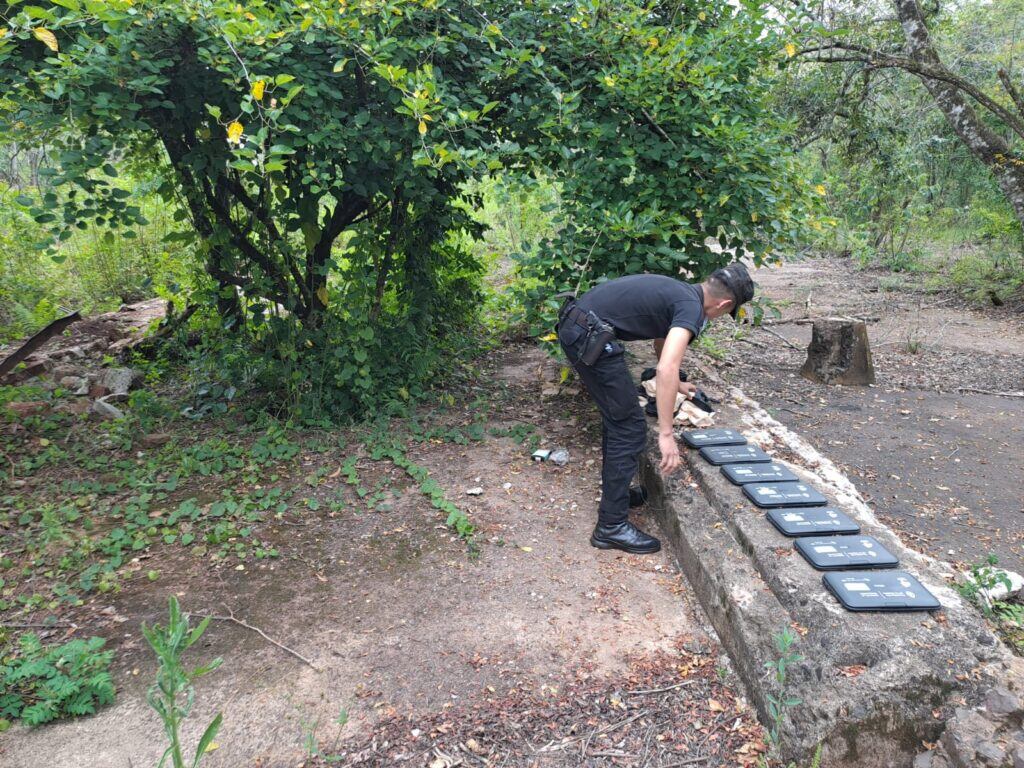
[687,389]
[669,453]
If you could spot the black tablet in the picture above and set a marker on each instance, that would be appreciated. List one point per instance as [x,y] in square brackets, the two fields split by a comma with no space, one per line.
[836,553]
[770,495]
[879,591]
[734,454]
[741,474]
[812,521]
[698,438]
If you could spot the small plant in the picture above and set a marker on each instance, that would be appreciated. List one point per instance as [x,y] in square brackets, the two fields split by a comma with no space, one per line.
[711,346]
[779,703]
[312,743]
[815,761]
[40,684]
[982,578]
[172,694]
[1007,616]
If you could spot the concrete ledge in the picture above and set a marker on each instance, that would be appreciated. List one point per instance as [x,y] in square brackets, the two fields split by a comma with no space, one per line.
[870,684]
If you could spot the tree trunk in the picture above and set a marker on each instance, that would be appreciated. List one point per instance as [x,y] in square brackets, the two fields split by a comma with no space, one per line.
[984,143]
[839,353]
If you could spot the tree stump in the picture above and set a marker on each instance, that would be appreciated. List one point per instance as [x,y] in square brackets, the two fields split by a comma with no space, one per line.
[839,353]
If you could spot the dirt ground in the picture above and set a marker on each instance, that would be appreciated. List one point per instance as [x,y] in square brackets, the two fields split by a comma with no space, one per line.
[940,465]
[537,651]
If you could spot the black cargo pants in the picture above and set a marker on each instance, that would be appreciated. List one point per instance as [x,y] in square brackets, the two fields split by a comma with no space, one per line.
[623,427]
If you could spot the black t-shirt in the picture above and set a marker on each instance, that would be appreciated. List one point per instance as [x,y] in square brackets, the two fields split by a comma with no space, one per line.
[646,306]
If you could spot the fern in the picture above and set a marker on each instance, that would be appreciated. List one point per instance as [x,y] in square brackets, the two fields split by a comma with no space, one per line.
[42,684]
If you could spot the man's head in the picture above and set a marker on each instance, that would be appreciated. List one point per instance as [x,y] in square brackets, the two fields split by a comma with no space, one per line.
[726,290]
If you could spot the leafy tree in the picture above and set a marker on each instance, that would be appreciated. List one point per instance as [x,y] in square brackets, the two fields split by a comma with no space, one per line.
[316,151]
[281,130]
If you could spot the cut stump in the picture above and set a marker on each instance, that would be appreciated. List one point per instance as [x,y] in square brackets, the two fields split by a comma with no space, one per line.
[839,353]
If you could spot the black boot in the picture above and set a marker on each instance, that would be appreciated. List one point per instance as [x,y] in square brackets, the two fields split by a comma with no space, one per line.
[624,536]
[637,496]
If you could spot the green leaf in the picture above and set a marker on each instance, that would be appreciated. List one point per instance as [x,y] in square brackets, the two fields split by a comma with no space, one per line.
[207,738]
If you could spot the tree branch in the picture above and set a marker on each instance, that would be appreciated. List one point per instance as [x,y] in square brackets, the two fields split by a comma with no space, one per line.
[1018,101]
[251,252]
[878,60]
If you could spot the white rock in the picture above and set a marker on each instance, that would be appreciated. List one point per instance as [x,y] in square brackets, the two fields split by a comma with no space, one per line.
[105,410]
[999,591]
[475,491]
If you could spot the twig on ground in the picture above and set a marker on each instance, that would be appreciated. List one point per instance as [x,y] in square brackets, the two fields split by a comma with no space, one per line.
[37,625]
[688,761]
[798,413]
[659,690]
[950,454]
[990,392]
[780,337]
[810,320]
[551,746]
[234,619]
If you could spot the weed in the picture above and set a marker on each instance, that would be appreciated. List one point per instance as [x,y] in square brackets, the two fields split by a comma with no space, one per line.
[779,703]
[711,346]
[172,694]
[1006,616]
[312,744]
[815,760]
[522,433]
[40,684]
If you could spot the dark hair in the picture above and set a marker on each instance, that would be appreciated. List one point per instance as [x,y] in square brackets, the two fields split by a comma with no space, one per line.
[719,289]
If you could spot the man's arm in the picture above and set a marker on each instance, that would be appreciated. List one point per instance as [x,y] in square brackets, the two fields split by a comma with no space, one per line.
[667,381]
[685,388]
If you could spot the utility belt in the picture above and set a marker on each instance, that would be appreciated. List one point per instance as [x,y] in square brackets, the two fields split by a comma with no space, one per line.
[599,334]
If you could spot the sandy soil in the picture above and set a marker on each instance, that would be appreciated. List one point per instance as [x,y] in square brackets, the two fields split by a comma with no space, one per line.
[538,641]
[940,465]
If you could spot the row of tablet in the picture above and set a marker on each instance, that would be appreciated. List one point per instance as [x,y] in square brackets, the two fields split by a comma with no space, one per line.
[799,511]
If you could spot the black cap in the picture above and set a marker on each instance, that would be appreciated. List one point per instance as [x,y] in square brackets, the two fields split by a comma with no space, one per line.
[736,278]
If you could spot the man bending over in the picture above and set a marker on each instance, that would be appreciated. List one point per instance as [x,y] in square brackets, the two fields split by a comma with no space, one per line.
[670,312]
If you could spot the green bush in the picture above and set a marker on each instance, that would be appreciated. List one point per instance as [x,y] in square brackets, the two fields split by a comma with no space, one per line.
[40,684]
[992,277]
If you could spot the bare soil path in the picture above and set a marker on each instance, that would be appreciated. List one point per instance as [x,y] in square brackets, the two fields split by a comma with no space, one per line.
[539,651]
[941,465]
